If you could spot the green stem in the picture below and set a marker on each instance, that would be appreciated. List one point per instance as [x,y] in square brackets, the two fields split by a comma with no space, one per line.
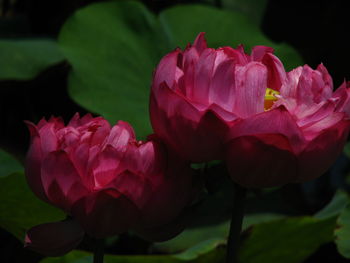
[236,224]
[99,250]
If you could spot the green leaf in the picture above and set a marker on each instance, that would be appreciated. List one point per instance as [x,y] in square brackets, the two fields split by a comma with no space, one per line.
[8,164]
[254,9]
[347,149]
[342,232]
[200,254]
[114,47]
[192,236]
[25,59]
[335,207]
[20,209]
[289,240]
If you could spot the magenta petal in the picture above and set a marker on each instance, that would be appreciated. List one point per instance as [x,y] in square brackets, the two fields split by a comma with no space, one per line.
[54,239]
[59,177]
[33,163]
[200,43]
[204,71]
[276,121]
[322,151]
[258,52]
[261,161]
[221,90]
[105,213]
[250,87]
[275,70]
[165,71]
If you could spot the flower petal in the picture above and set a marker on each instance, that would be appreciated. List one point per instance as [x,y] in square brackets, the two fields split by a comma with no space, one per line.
[251,83]
[276,121]
[33,163]
[261,160]
[59,178]
[322,151]
[54,239]
[105,213]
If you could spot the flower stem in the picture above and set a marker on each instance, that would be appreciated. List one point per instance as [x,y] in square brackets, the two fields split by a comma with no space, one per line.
[98,250]
[236,223]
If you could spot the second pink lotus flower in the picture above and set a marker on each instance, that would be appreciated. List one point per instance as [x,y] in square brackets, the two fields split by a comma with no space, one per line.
[270,126]
[105,180]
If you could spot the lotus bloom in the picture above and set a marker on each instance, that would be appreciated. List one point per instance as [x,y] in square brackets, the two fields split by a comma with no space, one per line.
[271,127]
[105,180]
[197,95]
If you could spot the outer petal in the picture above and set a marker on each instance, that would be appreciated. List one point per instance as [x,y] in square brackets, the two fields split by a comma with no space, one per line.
[322,151]
[105,213]
[61,181]
[261,161]
[204,71]
[276,121]
[222,91]
[194,135]
[165,71]
[251,83]
[177,177]
[33,163]
[54,239]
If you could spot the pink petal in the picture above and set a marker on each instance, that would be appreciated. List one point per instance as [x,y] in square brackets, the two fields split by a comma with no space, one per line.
[165,71]
[203,73]
[276,121]
[105,213]
[289,88]
[276,73]
[342,98]
[107,166]
[54,239]
[33,163]
[200,43]
[322,151]
[261,160]
[120,135]
[258,52]
[237,55]
[59,177]
[222,90]
[251,83]
[177,122]
[311,131]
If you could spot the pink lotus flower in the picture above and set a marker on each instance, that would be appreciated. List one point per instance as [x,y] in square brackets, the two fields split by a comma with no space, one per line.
[297,137]
[104,179]
[197,95]
[271,127]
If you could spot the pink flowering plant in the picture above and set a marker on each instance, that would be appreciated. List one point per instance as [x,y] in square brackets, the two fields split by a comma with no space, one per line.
[232,150]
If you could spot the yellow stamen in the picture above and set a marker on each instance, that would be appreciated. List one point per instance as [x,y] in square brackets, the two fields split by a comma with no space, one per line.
[270,98]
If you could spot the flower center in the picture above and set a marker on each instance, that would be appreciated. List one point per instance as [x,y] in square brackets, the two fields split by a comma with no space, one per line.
[270,98]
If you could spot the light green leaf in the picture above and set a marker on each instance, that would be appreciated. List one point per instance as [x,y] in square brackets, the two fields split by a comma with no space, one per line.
[24,59]
[254,9]
[20,209]
[8,164]
[342,232]
[335,207]
[113,50]
[289,240]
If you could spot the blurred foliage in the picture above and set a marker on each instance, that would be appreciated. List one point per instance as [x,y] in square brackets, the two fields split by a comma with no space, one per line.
[25,59]
[342,232]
